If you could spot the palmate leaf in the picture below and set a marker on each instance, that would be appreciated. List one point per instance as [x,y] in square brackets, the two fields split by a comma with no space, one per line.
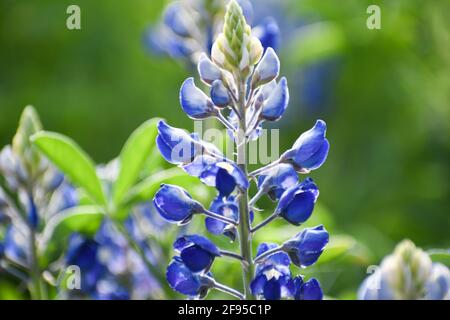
[82,219]
[72,161]
[139,146]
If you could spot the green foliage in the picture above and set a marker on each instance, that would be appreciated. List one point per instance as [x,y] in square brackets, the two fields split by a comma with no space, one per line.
[72,161]
[133,156]
[82,219]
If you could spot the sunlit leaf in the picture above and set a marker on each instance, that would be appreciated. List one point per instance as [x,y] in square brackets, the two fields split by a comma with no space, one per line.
[139,146]
[82,219]
[72,161]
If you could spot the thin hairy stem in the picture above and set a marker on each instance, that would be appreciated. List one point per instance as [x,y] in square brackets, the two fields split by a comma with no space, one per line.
[245,235]
[261,170]
[268,253]
[272,217]
[219,217]
[232,255]
[221,287]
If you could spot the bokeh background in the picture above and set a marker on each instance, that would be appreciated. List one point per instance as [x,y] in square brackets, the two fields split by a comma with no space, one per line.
[385,95]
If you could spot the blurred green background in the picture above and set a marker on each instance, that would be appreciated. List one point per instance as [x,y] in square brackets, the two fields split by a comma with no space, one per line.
[385,95]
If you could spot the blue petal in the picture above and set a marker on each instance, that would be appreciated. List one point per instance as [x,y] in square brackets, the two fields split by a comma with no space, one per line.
[267,69]
[204,243]
[277,180]
[311,148]
[275,106]
[257,285]
[219,94]
[207,70]
[306,248]
[272,290]
[195,103]
[279,260]
[309,290]
[175,145]
[268,33]
[297,203]
[181,279]
[174,204]
[227,208]
[196,259]
[175,19]
[225,183]
[33,218]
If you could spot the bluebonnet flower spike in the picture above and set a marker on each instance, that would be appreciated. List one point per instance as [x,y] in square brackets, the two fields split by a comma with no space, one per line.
[306,247]
[196,252]
[195,102]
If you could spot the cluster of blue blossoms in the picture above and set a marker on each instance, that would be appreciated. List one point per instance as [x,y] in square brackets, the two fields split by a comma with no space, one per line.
[244,93]
[33,193]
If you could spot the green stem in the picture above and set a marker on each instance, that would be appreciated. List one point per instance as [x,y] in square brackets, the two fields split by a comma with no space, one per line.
[245,236]
[36,288]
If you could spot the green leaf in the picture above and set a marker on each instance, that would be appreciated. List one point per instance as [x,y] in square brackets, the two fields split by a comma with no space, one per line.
[337,247]
[72,161]
[139,146]
[441,256]
[82,219]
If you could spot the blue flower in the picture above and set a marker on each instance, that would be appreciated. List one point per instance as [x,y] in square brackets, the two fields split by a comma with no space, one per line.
[226,207]
[219,94]
[207,70]
[195,102]
[309,290]
[277,180]
[438,286]
[182,279]
[220,173]
[272,277]
[268,32]
[267,69]
[33,217]
[15,245]
[276,100]
[310,150]
[177,19]
[83,253]
[307,246]
[175,145]
[297,203]
[161,40]
[196,252]
[175,205]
